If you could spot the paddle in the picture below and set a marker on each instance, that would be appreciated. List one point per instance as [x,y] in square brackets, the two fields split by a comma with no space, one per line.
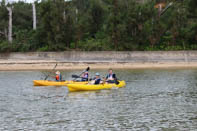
[75,76]
[116,81]
[79,76]
[52,70]
[104,80]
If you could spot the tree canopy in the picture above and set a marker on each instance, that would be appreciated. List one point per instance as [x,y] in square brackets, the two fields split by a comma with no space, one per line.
[99,25]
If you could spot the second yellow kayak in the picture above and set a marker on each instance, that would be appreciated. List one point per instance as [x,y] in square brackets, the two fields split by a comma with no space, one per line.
[90,87]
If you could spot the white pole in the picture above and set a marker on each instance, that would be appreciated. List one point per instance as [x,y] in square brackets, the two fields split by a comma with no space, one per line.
[34,15]
[10,24]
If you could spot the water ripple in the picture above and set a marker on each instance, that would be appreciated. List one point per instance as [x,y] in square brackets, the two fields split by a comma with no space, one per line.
[153,100]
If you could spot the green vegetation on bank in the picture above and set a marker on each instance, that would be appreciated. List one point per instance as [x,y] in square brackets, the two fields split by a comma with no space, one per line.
[97,25]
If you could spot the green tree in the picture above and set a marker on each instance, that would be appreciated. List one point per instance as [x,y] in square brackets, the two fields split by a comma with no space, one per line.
[3,20]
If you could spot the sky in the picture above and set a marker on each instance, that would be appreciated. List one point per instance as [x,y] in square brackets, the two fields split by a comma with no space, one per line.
[28,1]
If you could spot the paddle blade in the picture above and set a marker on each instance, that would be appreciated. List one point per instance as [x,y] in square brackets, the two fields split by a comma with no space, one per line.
[75,76]
[88,69]
[116,81]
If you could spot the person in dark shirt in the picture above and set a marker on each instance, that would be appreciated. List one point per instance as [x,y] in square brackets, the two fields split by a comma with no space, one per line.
[111,77]
[97,79]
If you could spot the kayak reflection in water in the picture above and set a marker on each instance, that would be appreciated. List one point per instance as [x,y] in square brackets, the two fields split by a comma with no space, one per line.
[85,76]
[96,80]
[111,77]
[58,76]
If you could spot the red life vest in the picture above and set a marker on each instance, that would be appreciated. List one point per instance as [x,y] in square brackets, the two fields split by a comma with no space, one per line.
[57,77]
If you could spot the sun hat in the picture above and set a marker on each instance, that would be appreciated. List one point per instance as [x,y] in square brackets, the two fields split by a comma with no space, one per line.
[97,74]
[57,72]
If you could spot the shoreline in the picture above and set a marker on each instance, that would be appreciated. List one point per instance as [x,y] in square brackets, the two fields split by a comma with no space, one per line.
[98,60]
[41,65]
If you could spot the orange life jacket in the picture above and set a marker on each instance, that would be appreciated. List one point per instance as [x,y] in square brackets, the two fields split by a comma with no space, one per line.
[57,77]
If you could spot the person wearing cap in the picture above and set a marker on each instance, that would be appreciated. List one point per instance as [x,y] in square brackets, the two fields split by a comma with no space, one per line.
[58,76]
[84,76]
[97,79]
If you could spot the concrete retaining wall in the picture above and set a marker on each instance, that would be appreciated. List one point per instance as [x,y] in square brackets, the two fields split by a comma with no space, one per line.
[104,56]
[97,60]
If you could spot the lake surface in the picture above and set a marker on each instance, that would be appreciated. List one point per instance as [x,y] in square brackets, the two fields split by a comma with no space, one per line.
[152,100]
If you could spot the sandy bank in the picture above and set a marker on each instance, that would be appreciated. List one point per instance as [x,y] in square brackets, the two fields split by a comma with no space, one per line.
[43,65]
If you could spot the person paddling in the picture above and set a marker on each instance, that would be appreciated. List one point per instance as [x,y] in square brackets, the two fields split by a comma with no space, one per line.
[85,76]
[97,79]
[111,77]
[58,76]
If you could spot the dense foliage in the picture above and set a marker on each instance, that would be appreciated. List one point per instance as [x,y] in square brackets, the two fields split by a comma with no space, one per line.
[123,25]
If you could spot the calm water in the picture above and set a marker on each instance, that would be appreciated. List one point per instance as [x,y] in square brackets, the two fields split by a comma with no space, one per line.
[152,100]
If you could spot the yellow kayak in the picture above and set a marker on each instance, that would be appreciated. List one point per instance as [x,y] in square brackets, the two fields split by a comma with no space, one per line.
[54,83]
[90,87]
